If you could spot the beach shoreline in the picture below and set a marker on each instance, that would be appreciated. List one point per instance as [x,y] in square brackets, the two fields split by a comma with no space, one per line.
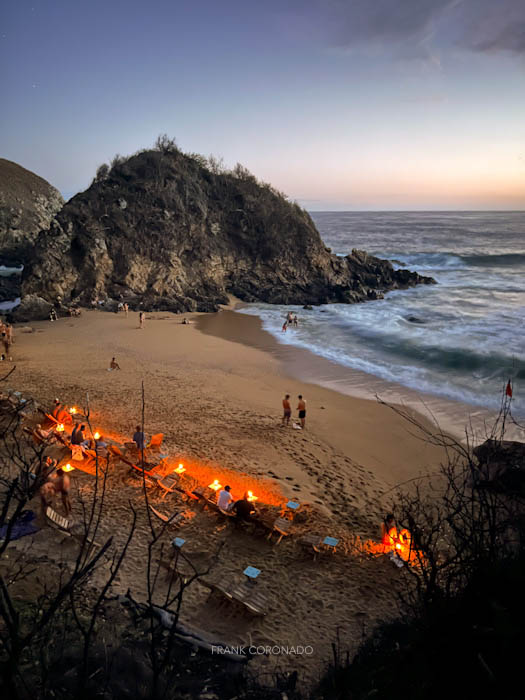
[217,403]
[452,417]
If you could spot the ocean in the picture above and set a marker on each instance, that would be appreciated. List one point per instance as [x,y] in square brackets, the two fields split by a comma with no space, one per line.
[461,339]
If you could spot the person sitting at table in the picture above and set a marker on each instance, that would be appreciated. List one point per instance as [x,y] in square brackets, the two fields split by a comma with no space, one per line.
[60,414]
[57,408]
[77,436]
[41,433]
[101,447]
[139,438]
[225,499]
[244,509]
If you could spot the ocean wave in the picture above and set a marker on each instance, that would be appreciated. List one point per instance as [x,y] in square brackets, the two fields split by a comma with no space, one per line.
[501,260]
[451,261]
[467,362]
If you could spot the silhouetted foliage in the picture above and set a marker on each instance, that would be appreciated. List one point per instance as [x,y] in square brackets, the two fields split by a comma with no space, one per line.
[102,172]
[461,616]
[165,144]
[116,161]
[216,165]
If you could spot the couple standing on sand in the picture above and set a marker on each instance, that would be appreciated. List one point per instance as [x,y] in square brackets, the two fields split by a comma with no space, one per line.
[287,410]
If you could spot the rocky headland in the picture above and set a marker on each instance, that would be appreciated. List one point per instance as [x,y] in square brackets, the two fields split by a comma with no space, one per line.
[163,230]
[28,203]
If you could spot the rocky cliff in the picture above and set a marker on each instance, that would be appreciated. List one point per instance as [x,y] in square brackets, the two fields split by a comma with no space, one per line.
[27,205]
[161,231]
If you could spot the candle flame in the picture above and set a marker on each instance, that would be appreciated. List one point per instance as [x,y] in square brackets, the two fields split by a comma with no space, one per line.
[96,435]
[60,428]
[180,469]
[67,468]
[73,410]
[251,497]
[215,486]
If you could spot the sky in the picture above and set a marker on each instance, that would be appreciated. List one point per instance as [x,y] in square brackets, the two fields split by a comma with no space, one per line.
[341,104]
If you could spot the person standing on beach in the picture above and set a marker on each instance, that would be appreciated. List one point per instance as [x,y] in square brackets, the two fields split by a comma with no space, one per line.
[301,407]
[139,438]
[295,321]
[285,326]
[142,318]
[5,342]
[126,309]
[287,411]
[62,484]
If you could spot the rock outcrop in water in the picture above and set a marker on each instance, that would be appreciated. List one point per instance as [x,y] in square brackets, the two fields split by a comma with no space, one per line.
[162,231]
[27,205]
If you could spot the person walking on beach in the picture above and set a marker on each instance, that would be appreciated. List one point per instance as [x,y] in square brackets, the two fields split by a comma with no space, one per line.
[287,411]
[301,407]
[126,309]
[142,318]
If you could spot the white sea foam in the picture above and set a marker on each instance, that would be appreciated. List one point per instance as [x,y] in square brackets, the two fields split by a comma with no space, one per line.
[462,338]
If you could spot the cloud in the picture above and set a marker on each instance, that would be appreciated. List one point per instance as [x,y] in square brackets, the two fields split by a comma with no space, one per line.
[495,26]
[415,26]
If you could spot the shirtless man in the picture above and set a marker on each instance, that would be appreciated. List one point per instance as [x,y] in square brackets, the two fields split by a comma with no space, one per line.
[287,411]
[301,407]
[142,318]
[62,483]
[114,364]
[47,495]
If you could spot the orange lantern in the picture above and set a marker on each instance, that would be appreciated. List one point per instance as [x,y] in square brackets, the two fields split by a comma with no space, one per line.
[72,410]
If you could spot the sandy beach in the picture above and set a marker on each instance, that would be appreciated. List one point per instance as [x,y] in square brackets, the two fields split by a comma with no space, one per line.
[218,403]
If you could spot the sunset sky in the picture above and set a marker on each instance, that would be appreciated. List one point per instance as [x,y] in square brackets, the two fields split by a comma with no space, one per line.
[342,104]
